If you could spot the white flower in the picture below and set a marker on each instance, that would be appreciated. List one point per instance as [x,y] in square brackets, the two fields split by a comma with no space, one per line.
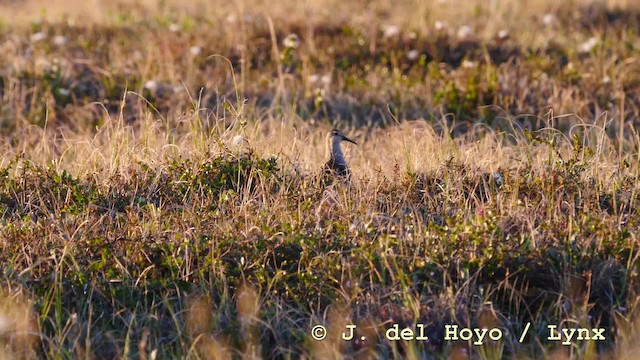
[60,40]
[548,19]
[326,79]
[55,66]
[391,31]
[39,36]
[503,34]
[237,140]
[467,64]
[150,85]
[606,79]
[63,92]
[291,41]
[174,27]
[588,45]
[313,78]
[440,25]
[413,54]
[195,50]
[465,32]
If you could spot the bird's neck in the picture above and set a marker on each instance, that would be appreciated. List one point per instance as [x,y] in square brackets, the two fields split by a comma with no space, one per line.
[334,151]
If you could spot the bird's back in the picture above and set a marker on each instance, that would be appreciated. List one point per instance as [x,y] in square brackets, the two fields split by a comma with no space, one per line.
[335,169]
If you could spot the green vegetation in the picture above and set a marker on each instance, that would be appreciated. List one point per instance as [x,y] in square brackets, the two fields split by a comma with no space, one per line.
[160,193]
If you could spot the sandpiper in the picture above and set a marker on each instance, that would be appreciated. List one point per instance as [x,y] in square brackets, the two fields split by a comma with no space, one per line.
[336,164]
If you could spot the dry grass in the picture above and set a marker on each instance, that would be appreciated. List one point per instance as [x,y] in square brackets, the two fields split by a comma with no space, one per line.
[156,204]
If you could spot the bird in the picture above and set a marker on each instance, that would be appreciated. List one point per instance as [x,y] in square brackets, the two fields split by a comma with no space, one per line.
[335,165]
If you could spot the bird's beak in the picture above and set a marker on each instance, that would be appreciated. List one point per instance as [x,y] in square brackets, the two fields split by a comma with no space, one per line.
[344,138]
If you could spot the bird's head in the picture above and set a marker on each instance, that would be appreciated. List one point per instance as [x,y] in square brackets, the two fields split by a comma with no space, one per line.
[337,135]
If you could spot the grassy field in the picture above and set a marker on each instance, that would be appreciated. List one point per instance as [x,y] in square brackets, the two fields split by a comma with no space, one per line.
[160,194]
